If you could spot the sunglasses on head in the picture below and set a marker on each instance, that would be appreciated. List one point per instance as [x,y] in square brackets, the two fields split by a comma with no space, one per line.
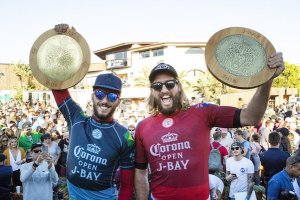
[112,97]
[37,150]
[170,84]
[235,148]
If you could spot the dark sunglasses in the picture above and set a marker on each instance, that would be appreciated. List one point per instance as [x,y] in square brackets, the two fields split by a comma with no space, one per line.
[37,151]
[170,84]
[131,129]
[47,138]
[4,140]
[112,97]
[235,148]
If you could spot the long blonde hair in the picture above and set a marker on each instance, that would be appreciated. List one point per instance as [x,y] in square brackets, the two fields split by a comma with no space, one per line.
[183,103]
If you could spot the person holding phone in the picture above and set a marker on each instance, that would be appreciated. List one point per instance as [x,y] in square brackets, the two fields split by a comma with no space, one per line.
[38,176]
[239,172]
[52,149]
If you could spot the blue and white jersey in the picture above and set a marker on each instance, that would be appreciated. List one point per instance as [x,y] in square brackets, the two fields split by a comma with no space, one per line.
[96,149]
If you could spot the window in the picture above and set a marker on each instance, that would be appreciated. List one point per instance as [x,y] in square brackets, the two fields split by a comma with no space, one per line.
[117,55]
[145,54]
[158,52]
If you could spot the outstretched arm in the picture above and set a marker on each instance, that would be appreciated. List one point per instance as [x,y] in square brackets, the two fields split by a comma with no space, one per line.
[141,184]
[256,108]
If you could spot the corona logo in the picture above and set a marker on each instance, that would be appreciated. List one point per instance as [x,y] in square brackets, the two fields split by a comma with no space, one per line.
[93,148]
[170,137]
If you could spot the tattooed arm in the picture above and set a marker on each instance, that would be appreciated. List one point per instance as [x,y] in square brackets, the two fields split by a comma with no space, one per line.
[250,185]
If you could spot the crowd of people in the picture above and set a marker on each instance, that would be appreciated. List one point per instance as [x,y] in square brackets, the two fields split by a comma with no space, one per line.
[166,156]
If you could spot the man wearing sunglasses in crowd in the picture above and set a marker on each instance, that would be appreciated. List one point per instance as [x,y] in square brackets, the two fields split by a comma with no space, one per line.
[239,171]
[174,140]
[98,144]
[39,176]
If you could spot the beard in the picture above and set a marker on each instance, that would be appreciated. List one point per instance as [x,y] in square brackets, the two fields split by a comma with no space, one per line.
[171,110]
[103,116]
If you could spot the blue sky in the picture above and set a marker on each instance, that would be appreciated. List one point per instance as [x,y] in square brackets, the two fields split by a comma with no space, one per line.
[110,22]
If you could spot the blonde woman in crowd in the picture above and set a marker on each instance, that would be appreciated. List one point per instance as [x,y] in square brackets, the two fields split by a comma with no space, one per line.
[15,157]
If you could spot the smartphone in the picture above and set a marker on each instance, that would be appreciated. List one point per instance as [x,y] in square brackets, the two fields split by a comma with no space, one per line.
[233,175]
[44,149]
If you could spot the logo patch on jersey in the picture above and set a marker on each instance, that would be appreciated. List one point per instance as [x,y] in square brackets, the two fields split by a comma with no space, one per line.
[168,122]
[170,137]
[93,148]
[97,134]
[128,137]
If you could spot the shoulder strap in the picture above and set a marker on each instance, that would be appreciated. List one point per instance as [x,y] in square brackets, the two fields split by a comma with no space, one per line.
[212,146]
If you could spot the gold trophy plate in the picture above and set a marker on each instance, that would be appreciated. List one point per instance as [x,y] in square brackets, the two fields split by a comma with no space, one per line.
[238,57]
[59,61]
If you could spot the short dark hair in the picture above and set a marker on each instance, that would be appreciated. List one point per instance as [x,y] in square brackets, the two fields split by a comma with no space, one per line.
[274,138]
[293,160]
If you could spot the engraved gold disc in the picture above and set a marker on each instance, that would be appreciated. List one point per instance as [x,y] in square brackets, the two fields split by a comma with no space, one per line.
[59,61]
[238,57]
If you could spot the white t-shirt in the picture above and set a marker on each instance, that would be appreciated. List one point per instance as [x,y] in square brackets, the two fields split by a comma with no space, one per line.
[241,168]
[215,182]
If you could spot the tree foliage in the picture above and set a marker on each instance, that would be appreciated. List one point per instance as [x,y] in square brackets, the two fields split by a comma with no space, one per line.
[26,79]
[290,78]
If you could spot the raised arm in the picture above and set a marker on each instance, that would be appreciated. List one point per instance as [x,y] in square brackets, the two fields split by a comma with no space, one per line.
[256,108]
[141,184]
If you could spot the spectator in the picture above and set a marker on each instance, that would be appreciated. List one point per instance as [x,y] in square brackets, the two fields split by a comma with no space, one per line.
[216,187]
[16,156]
[28,137]
[217,135]
[4,143]
[285,143]
[64,147]
[226,139]
[55,136]
[240,135]
[281,186]
[264,134]
[5,179]
[38,176]
[239,171]
[273,160]
[53,149]
[256,149]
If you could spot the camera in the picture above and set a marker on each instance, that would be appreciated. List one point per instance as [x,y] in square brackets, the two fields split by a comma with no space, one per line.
[288,195]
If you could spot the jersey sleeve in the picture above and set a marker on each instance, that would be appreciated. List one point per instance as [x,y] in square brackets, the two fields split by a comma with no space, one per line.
[141,156]
[128,152]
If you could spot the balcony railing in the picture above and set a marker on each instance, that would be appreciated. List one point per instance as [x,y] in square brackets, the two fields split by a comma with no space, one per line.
[118,63]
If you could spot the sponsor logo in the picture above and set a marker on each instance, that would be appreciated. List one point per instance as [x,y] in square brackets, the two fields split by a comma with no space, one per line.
[93,148]
[97,134]
[170,137]
[168,122]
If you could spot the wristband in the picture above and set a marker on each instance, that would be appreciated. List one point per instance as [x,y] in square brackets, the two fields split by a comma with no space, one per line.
[35,165]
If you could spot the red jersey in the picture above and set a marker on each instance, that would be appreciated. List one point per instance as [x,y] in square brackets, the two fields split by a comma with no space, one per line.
[177,149]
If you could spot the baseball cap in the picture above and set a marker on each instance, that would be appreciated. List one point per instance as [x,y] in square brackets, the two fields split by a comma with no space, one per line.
[108,81]
[236,144]
[26,125]
[34,145]
[162,68]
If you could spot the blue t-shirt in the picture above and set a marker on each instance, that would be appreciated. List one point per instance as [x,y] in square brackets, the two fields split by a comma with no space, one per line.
[96,150]
[247,145]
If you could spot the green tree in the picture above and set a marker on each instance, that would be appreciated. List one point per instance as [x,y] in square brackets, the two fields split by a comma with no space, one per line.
[26,79]
[141,77]
[290,78]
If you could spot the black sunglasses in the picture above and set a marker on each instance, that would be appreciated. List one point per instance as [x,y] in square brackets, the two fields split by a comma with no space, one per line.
[235,148]
[37,150]
[170,84]
[4,140]
[112,97]
[131,129]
